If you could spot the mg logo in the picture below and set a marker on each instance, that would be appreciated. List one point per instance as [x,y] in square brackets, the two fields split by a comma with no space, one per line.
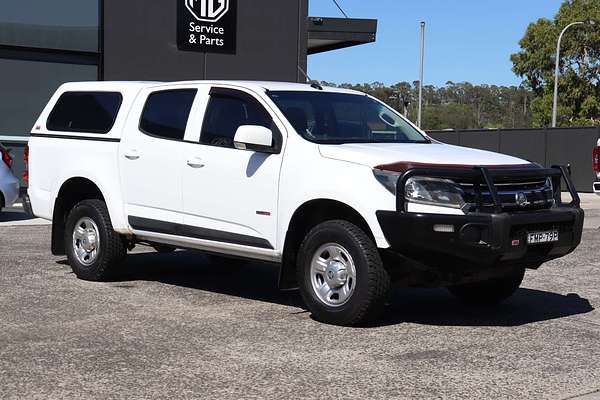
[207,10]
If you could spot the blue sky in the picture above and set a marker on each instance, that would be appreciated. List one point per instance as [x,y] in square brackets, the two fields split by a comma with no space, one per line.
[466,40]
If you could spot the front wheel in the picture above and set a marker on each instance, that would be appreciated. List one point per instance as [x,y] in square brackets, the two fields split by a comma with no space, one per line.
[93,248]
[342,278]
[489,292]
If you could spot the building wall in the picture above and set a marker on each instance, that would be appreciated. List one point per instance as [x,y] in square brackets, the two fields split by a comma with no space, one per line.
[42,45]
[139,43]
[46,43]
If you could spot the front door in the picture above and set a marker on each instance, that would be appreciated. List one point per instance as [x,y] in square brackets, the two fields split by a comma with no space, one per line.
[232,194]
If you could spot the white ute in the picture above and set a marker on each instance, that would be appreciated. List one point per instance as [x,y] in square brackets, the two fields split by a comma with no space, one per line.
[337,188]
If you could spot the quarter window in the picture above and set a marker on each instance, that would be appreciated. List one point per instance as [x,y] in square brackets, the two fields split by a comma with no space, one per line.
[89,112]
[166,113]
[225,114]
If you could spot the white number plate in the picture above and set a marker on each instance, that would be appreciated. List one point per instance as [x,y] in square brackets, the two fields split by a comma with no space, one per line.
[542,237]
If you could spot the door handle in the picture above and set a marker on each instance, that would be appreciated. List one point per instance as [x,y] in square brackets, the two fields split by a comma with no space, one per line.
[196,162]
[132,155]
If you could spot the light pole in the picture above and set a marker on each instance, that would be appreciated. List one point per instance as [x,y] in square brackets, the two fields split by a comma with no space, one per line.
[557,69]
[420,113]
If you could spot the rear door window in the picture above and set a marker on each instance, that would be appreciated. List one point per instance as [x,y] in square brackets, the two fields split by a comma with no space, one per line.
[166,113]
[87,112]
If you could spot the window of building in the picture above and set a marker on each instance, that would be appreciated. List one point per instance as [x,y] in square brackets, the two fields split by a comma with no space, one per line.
[27,87]
[167,112]
[225,114]
[90,112]
[57,24]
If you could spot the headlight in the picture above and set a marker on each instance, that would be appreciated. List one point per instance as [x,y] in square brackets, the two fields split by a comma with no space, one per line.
[434,192]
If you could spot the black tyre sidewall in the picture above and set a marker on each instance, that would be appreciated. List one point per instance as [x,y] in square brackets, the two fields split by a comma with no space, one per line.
[347,313]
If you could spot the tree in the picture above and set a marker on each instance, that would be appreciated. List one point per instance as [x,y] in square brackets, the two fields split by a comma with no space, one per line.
[579,84]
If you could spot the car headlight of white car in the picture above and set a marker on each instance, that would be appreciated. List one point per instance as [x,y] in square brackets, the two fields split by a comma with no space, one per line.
[425,190]
[434,192]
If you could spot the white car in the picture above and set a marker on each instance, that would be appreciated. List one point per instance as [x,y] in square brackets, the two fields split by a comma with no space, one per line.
[338,189]
[9,184]
[596,167]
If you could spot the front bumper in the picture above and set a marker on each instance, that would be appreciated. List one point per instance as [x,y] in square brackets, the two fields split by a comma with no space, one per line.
[480,238]
[491,235]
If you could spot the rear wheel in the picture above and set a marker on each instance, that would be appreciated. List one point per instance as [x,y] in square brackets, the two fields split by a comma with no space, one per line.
[489,292]
[93,248]
[341,275]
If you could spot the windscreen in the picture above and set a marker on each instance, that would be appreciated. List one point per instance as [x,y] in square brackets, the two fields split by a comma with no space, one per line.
[335,118]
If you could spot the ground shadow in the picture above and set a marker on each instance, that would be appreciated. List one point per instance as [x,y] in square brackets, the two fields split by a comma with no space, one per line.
[437,307]
[12,216]
[258,281]
[239,278]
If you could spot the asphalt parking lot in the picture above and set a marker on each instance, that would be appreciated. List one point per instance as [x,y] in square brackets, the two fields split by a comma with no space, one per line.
[179,326]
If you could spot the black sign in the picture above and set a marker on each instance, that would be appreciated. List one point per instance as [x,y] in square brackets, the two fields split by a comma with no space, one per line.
[208,26]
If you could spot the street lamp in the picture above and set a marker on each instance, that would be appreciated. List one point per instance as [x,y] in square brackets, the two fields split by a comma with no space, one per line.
[557,69]
[422,66]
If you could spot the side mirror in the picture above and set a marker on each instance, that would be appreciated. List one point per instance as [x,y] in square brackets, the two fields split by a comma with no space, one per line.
[254,138]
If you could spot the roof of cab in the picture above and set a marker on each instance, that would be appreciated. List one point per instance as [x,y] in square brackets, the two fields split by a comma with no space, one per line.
[273,86]
[105,86]
[122,86]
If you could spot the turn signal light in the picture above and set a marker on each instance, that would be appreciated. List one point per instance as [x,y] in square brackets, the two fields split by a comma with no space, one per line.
[444,228]
[596,159]
[26,162]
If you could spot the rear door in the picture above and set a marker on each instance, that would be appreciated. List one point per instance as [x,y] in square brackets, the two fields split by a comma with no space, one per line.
[151,157]
[231,194]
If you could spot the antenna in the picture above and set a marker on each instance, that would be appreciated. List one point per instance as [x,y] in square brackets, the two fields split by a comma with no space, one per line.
[304,73]
[340,8]
[314,84]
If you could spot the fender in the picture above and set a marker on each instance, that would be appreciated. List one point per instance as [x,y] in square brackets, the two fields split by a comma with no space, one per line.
[90,189]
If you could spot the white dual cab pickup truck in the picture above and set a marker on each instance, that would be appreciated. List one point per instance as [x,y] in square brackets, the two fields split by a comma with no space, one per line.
[337,188]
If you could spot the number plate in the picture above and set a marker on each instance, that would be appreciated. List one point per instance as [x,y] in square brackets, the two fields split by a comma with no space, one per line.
[542,237]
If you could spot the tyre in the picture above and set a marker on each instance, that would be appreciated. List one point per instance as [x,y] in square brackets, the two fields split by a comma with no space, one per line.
[341,275]
[490,292]
[93,248]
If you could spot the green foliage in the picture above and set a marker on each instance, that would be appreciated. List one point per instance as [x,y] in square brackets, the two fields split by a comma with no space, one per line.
[579,84]
[456,105]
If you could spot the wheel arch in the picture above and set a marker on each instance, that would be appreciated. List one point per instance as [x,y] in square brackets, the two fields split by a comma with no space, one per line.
[306,217]
[71,192]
